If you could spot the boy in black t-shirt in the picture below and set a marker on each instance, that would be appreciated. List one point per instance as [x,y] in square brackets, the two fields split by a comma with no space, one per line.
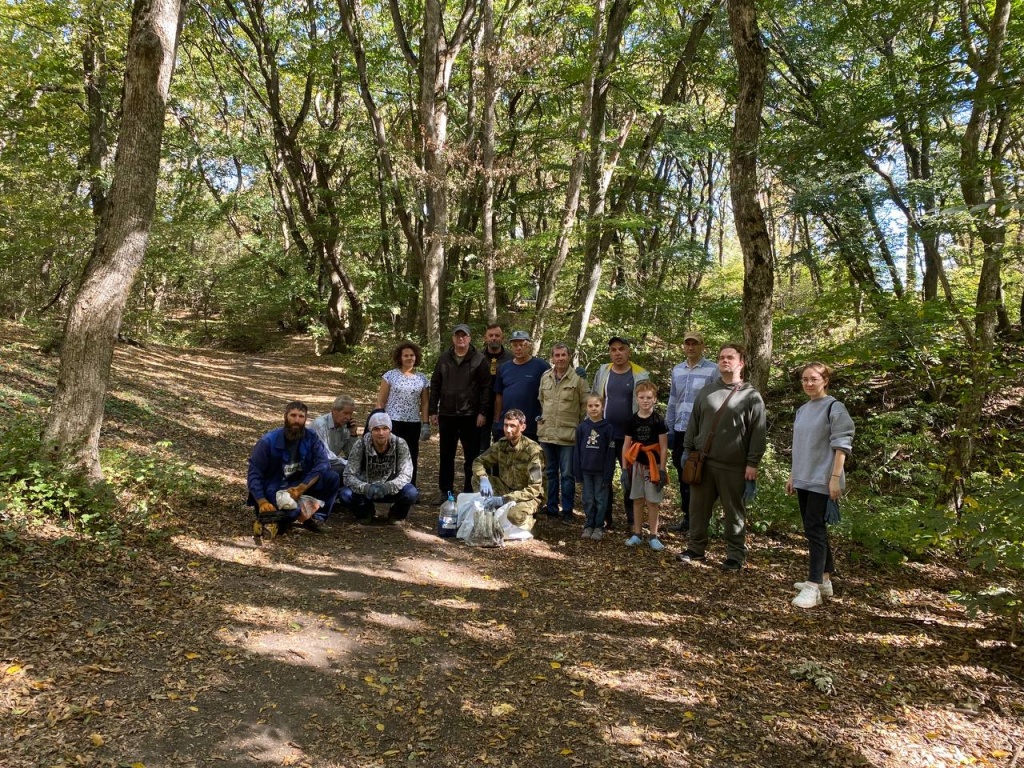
[645,455]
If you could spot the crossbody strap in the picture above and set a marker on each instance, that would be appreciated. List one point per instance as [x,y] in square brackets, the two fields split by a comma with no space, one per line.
[718,417]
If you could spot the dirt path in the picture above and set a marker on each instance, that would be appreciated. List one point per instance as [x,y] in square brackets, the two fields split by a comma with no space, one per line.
[385,646]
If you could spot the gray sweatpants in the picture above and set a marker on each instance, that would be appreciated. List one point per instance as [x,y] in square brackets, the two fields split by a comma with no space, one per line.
[728,485]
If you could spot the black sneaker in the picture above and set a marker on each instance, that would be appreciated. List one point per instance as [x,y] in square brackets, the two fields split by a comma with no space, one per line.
[690,557]
[679,526]
[566,520]
[315,526]
[732,565]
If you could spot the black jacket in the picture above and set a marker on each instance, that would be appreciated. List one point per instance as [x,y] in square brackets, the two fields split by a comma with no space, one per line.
[460,389]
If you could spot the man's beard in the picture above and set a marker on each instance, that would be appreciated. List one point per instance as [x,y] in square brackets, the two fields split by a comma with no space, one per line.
[293,432]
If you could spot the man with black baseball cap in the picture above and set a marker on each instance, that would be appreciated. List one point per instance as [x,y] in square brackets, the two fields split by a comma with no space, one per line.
[460,392]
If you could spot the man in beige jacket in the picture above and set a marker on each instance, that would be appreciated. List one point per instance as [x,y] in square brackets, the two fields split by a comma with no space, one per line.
[563,394]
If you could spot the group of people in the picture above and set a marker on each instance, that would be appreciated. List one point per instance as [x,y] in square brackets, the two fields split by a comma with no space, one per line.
[531,430]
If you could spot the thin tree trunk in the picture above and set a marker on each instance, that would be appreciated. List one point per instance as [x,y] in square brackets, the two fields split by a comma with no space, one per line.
[751,228]
[983,189]
[549,277]
[76,415]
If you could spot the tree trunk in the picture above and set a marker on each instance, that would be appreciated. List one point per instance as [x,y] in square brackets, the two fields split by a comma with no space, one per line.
[751,228]
[95,318]
[549,277]
[983,188]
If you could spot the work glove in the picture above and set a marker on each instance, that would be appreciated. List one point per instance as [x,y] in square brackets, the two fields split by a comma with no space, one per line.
[425,430]
[376,491]
[485,487]
[493,502]
[832,515]
[265,506]
[750,490]
[662,480]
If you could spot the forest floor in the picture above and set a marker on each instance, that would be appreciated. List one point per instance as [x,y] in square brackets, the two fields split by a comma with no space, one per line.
[386,646]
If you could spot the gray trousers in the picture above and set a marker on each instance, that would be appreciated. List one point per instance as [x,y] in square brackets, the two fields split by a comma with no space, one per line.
[725,484]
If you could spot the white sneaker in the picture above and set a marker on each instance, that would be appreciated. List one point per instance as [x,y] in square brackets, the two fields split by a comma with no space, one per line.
[824,588]
[809,597]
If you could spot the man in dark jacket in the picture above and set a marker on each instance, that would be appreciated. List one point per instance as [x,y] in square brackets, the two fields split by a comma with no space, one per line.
[460,391]
[290,458]
[496,355]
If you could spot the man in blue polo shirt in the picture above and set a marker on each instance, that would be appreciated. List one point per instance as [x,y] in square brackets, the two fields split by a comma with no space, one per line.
[517,384]
[688,378]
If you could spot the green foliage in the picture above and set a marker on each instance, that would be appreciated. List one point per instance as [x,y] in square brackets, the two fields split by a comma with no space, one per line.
[816,674]
[36,486]
[150,484]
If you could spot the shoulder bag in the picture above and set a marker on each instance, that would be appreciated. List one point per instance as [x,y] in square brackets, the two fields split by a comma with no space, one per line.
[693,467]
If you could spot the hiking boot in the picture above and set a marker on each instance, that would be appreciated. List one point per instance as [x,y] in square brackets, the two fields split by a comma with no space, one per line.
[679,526]
[566,519]
[597,535]
[809,597]
[315,526]
[634,541]
[825,588]
[655,544]
[587,533]
[732,565]
[690,557]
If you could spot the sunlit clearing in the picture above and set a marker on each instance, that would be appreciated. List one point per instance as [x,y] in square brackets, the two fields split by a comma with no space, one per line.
[490,632]
[645,618]
[429,572]
[395,621]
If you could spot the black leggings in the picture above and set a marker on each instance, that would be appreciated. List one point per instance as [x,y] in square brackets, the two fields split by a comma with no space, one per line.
[410,432]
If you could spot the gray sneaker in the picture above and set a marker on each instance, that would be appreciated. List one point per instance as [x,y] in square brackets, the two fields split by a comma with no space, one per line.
[587,533]
[597,535]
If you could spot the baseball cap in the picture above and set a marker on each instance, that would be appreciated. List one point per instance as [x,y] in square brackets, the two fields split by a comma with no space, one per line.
[620,340]
[520,336]
[695,335]
[462,328]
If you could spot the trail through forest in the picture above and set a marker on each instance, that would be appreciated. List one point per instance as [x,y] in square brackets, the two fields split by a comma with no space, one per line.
[386,646]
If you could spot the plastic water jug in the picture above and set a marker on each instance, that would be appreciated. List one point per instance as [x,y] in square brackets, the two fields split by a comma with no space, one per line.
[448,518]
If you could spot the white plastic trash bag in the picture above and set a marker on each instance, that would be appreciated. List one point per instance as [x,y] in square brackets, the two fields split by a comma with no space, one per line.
[284,500]
[465,507]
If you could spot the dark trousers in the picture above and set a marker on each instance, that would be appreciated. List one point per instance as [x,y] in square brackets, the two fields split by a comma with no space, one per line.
[410,432]
[365,509]
[595,500]
[453,430]
[725,484]
[684,488]
[812,509]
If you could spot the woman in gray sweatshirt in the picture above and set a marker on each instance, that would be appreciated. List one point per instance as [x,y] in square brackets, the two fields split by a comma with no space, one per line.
[822,439]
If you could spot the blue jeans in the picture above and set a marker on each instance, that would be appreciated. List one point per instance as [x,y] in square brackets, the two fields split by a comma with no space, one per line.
[595,500]
[364,509]
[558,462]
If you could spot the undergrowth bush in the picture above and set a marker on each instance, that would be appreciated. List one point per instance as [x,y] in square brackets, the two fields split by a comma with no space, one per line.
[36,486]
